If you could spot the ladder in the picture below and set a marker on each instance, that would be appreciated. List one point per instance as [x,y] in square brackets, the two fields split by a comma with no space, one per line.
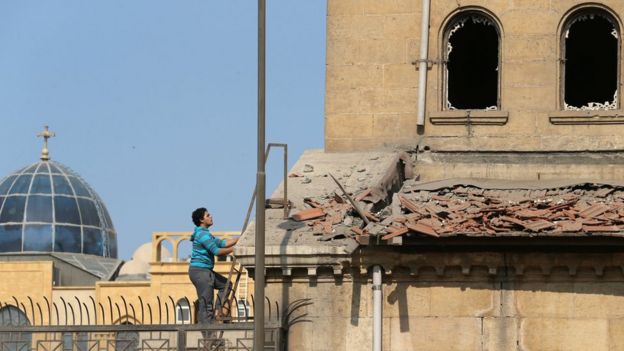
[228,295]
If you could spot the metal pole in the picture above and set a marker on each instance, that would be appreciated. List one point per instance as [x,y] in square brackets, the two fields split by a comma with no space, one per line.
[260,184]
[422,62]
[377,308]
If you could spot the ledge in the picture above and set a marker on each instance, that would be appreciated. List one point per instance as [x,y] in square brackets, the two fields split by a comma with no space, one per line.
[586,117]
[469,117]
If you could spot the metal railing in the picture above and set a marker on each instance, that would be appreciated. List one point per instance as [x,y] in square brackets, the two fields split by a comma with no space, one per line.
[49,329]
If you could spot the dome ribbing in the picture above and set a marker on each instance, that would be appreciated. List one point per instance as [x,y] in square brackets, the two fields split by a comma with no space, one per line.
[47,207]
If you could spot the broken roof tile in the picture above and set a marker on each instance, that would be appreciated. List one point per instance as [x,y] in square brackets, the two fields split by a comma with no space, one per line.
[307,214]
[422,229]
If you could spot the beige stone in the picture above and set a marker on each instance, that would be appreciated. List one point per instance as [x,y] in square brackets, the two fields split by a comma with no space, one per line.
[474,301]
[541,22]
[532,102]
[532,73]
[354,76]
[402,26]
[400,76]
[356,26]
[554,334]
[349,125]
[616,334]
[530,47]
[433,333]
[529,85]
[500,334]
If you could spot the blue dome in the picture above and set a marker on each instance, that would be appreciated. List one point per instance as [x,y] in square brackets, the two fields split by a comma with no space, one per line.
[47,207]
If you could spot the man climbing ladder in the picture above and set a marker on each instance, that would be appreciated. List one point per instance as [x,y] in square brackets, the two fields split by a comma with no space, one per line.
[201,270]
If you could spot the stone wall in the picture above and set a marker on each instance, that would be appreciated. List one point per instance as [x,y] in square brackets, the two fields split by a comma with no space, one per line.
[464,301]
[372,81]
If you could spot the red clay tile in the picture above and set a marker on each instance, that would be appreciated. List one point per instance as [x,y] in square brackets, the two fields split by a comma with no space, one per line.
[309,213]
[395,232]
[600,228]
[422,229]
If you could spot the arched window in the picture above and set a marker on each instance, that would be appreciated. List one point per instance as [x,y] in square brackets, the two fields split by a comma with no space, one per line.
[127,340]
[183,312]
[472,61]
[590,45]
[12,316]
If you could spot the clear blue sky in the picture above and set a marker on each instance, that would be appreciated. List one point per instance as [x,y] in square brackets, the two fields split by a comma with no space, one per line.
[154,102]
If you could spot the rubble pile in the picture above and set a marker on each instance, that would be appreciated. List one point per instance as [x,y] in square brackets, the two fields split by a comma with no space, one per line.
[582,209]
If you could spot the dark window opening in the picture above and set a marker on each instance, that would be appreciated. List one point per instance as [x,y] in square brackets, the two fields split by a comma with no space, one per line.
[472,64]
[591,43]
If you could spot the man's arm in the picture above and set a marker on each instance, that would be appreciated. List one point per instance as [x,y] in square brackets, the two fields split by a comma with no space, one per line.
[231,242]
[227,249]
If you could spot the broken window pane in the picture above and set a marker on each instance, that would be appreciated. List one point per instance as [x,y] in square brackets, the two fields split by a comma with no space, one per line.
[590,44]
[472,54]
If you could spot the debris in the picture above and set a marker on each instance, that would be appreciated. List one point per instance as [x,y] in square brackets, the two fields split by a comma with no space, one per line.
[467,210]
[422,229]
[307,214]
[306,180]
[295,175]
[308,168]
[374,228]
[361,169]
[395,232]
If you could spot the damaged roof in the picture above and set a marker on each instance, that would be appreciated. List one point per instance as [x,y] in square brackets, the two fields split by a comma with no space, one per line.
[393,205]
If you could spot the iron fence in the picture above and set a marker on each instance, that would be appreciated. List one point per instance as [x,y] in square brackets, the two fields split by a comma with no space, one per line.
[73,329]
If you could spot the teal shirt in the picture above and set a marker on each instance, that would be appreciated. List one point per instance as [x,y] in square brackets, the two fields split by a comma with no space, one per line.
[205,247]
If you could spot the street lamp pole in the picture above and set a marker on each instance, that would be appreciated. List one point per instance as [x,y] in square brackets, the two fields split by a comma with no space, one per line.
[261,191]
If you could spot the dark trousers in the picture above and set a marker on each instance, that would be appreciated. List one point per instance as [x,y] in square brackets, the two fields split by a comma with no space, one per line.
[206,281]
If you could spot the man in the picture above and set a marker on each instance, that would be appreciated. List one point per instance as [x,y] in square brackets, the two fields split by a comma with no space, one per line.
[205,279]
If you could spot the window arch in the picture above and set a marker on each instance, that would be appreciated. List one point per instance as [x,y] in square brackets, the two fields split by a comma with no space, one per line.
[13,317]
[471,51]
[590,46]
[183,312]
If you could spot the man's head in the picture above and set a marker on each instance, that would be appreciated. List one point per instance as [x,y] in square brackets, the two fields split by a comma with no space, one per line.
[202,218]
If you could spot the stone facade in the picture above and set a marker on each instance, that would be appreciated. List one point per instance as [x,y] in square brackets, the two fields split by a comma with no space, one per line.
[465,301]
[372,79]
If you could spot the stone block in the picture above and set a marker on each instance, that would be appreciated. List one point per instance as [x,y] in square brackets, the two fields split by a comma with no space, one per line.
[530,4]
[529,100]
[356,26]
[394,125]
[382,51]
[553,334]
[542,22]
[616,334]
[400,76]
[455,300]
[599,299]
[399,101]
[545,299]
[340,101]
[344,7]
[341,51]
[337,301]
[363,144]
[354,76]
[390,6]
[407,300]
[349,126]
[530,47]
[402,26]
[500,334]
[435,333]
[529,73]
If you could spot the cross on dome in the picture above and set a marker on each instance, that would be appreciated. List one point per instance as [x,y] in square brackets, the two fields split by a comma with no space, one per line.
[46,134]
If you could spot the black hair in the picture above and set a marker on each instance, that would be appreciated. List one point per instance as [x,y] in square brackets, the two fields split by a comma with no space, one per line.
[198,214]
